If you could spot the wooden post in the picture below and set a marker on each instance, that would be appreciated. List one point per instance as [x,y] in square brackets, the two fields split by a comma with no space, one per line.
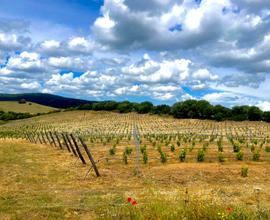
[66,143]
[89,156]
[77,149]
[33,137]
[71,146]
[48,138]
[42,136]
[52,139]
[58,140]
[27,137]
[38,134]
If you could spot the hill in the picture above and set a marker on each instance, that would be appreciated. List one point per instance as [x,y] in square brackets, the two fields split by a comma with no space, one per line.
[54,101]
[29,107]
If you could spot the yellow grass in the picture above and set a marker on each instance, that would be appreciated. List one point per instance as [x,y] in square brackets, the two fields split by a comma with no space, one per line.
[29,107]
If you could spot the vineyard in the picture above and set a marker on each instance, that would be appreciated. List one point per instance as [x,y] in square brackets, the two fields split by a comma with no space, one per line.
[162,139]
[148,156]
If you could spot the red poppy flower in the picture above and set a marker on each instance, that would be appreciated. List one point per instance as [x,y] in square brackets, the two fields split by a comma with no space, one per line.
[134,203]
[229,210]
[129,199]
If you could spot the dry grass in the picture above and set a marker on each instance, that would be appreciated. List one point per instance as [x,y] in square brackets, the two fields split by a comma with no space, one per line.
[29,107]
[41,182]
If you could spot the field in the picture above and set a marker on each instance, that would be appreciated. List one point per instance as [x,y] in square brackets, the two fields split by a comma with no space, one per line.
[183,169]
[29,107]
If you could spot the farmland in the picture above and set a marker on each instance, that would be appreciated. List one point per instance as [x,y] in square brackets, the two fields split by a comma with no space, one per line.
[29,107]
[189,168]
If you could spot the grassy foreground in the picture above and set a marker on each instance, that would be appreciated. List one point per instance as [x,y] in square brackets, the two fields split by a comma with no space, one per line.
[32,108]
[40,182]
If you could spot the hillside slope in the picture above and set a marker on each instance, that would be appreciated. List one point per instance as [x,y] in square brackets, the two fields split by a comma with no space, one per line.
[29,107]
[54,101]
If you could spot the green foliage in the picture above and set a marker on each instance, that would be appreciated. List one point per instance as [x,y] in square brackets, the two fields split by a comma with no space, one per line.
[221,157]
[112,150]
[200,155]
[240,155]
[267,149]
[163,157]
[205,146]
[128,150]
[145,157]
[172,148]
[143,149]
[256,156]
[182,155]
[236,147]
[161,110]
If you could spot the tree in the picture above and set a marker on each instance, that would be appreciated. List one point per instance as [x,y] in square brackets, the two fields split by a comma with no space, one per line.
[22,101]
[161,109]
[125,107]
[254,114]
[144,107]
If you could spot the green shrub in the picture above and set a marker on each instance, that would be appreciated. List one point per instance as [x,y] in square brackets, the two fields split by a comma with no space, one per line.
[244,171]
[128,150]
[256,156]
[200,155]
[252,148]
[182,155]
[236,147]
[220,148]
[205,146]
[172,148]
[143,149]
[240,155]
[145,157]
[267,149]
[112,150]
[221,157]
[163,157]
[178,143]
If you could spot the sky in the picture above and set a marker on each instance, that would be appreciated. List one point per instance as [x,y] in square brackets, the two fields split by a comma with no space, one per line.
[163,51]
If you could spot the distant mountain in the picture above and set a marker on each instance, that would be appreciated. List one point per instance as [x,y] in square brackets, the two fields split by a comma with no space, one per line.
[45,99]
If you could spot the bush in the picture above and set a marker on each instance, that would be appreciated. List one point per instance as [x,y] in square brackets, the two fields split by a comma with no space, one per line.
[145,157]
[221,157]
[240,155]
[256,156]
[112,150]
[200,155]
[205,146]
[172,148]
[143,149]
[182,155]
[244,171]
[128,150]
[236,147]
[267,149]
[163,157]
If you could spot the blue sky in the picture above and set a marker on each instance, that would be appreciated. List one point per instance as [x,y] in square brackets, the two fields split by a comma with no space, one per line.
[159,50]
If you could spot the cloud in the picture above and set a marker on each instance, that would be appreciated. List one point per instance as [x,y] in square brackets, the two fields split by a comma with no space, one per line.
[9,42]
[151,27]
[72,47]
[26,61]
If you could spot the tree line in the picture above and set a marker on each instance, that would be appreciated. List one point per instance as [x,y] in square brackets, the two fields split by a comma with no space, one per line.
[189,109]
